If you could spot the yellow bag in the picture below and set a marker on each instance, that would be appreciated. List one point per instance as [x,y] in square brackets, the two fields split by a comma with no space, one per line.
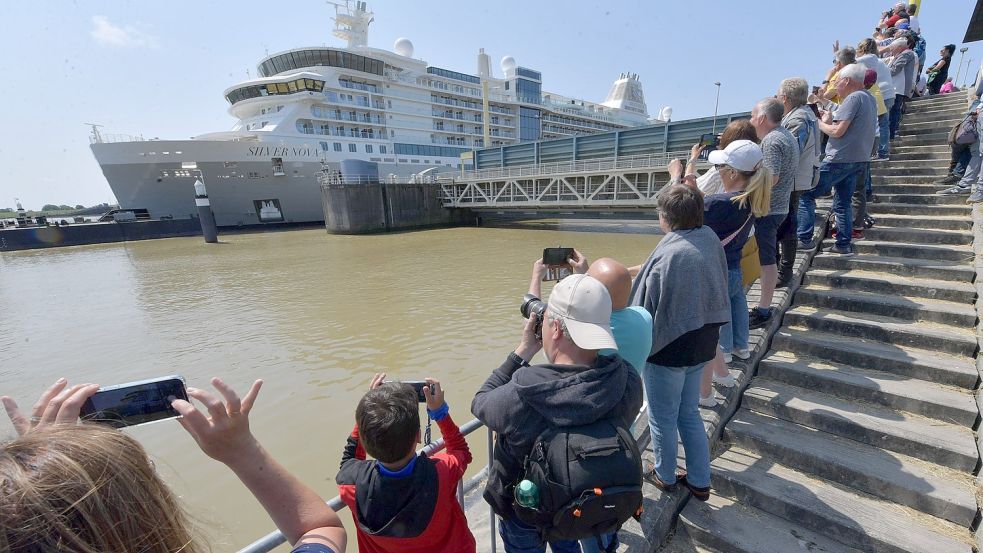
[750,265]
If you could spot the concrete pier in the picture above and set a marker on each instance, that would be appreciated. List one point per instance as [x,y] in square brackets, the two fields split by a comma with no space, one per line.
[387,207]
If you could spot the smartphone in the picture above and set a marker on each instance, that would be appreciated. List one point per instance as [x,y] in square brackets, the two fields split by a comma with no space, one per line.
[135,402]
[419,385]
[709,139]
[553,257]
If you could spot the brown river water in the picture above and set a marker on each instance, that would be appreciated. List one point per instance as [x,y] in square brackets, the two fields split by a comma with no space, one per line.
[312,314]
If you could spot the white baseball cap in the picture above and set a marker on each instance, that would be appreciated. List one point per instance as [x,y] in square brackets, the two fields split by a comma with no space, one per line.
[584,304]
[742,155]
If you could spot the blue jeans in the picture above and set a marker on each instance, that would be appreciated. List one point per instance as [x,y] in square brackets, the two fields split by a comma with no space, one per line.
[841,179]
[895,116]
[674,414]
[884,124]
[734,335]
[517,537]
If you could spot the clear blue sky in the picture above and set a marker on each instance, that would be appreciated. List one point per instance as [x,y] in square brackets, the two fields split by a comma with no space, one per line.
[159,68]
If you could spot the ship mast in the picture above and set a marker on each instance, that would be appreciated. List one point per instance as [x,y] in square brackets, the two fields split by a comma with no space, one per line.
[352,22]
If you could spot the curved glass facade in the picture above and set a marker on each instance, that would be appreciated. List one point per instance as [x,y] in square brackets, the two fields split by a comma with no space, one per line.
[313,57]
[272,89]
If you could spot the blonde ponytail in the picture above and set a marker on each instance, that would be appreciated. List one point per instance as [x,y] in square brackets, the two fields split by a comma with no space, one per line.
[757,191]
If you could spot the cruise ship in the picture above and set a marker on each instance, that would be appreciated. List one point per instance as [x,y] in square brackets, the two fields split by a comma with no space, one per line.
[321,112]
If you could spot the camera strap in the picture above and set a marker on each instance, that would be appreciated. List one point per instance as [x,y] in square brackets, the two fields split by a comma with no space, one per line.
[426,433]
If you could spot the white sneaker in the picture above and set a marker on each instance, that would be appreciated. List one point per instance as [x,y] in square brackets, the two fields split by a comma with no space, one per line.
[709,402]
[742,354]
[725,381]
[728,358]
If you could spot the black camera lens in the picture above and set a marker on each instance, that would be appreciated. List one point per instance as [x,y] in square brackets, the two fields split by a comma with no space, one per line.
[534,307]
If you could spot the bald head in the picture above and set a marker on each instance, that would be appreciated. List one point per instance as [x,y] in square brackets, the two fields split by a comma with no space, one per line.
[615,278]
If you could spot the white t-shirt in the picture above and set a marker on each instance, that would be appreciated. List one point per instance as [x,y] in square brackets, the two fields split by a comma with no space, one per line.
[710,182]
[914,25]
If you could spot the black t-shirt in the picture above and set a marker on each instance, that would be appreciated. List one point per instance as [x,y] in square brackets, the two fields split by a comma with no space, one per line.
[694,347]
[724,217]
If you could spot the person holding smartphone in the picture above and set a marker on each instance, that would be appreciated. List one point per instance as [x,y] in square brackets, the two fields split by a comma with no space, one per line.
[90,487]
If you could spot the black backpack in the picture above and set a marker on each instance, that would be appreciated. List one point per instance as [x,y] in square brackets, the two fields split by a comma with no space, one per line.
[589,479]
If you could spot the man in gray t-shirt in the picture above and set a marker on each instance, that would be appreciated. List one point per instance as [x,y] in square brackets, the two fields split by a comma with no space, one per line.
[780,152]
[851,138]
[854,146]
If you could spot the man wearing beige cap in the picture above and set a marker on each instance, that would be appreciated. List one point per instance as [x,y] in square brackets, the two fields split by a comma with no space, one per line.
[574,387]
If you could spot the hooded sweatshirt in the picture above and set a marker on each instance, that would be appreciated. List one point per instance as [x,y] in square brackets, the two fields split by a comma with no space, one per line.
[520,402]
[415,509]
[884,80]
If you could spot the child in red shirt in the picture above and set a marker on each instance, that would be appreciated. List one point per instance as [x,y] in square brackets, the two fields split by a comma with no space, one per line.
[402,501]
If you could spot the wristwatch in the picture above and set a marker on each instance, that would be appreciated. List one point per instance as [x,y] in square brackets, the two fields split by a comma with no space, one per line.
[514,357]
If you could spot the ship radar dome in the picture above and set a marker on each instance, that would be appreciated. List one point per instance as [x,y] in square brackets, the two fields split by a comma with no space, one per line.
[508,64]
[403,47]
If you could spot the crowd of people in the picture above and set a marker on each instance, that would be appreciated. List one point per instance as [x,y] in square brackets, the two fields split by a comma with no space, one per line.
[658,334]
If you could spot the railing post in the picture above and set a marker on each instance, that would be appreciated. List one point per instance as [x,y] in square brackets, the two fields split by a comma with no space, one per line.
[491,512]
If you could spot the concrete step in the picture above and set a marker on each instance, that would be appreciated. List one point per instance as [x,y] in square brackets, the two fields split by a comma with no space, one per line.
[882,206]
[961,254]
[919,235]
[727,526]
[917,188]
[922,199]
[893,285]
[927,488]
[930,400]
[934,149]
[904,179]
[932,139]
[878,356]
[954,115]
[915,221]
[897,332]
[899,307]
[933,169]
[917,155]
[900,266]
[944,122]
[936,132]
[909,164]
[927,439]
[866,523]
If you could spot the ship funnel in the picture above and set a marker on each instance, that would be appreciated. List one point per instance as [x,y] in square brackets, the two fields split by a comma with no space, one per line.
[484,64]
[626,93]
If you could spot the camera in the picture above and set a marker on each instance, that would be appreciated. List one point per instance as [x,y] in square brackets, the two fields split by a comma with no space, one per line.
[534,307]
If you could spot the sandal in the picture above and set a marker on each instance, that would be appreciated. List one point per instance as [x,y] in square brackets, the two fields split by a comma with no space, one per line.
[700,494]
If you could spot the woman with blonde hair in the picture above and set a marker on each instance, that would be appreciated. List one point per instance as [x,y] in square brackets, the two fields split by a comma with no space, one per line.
[730,214]
[709,182]
[88,488]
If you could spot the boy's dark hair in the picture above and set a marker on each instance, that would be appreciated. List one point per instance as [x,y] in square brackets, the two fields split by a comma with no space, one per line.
[388,419]
[682,207]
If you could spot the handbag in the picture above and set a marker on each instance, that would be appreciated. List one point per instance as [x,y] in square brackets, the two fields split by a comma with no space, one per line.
[733,235]
[966,133]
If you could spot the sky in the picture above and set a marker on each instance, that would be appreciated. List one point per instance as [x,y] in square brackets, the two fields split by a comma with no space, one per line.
[158,69]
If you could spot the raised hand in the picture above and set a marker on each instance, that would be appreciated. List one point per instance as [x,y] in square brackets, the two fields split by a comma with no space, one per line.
[223,434]
[59,404]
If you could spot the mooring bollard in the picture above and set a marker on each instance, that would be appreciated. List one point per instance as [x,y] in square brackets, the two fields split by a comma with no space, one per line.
[205,216]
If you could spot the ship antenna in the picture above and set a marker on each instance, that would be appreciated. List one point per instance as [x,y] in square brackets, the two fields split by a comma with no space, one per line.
[96,138]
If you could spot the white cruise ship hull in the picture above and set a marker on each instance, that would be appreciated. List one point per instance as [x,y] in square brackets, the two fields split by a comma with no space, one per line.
[239,175]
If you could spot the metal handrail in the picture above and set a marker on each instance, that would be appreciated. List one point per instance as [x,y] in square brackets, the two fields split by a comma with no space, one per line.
[601,164]
[276,538]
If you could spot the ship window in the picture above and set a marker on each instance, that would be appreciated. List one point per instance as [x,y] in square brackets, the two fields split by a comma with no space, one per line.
[282,88]
[337,146]
[382,149]
[291,86]
[230,164]
[309,83]
[352,148]
[368,148]
[271,89]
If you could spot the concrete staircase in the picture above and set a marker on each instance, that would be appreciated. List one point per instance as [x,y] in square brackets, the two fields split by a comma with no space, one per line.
[857,432]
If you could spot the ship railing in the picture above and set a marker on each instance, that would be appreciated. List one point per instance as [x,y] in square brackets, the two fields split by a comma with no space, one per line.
[275,539]
[649,161]
[115,137]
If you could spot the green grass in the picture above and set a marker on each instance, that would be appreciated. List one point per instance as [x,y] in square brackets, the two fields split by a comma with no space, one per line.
[59,213]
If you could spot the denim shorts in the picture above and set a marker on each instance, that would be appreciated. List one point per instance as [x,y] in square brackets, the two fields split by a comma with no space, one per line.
[766,233]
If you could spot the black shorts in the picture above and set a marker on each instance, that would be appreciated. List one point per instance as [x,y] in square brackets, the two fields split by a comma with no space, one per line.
[766,233]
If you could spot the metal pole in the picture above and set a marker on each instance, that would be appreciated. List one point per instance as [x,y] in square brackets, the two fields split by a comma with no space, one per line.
[966,76]
[491,512]
[205,216]
[716,104]
[962,54]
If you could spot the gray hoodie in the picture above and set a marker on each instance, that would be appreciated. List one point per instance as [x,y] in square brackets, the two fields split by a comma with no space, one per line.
[519,403]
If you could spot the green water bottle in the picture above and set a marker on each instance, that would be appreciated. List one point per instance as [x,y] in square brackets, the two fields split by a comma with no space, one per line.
[527,494]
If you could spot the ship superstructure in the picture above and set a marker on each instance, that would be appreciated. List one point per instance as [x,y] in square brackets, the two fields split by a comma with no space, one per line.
[311,109]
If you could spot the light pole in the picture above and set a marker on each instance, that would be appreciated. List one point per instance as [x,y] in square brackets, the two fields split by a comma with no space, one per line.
[716,104]
[962,54]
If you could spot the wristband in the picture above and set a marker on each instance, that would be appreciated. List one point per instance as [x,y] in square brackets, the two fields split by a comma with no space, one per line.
[439,413]
[514,357]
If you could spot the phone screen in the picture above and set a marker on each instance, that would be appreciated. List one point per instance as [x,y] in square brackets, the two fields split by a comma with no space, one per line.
[135,403]
[418,385]
[556,256]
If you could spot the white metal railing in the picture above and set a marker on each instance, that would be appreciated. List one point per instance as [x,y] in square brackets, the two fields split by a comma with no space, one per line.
[274,539]
[117,137]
